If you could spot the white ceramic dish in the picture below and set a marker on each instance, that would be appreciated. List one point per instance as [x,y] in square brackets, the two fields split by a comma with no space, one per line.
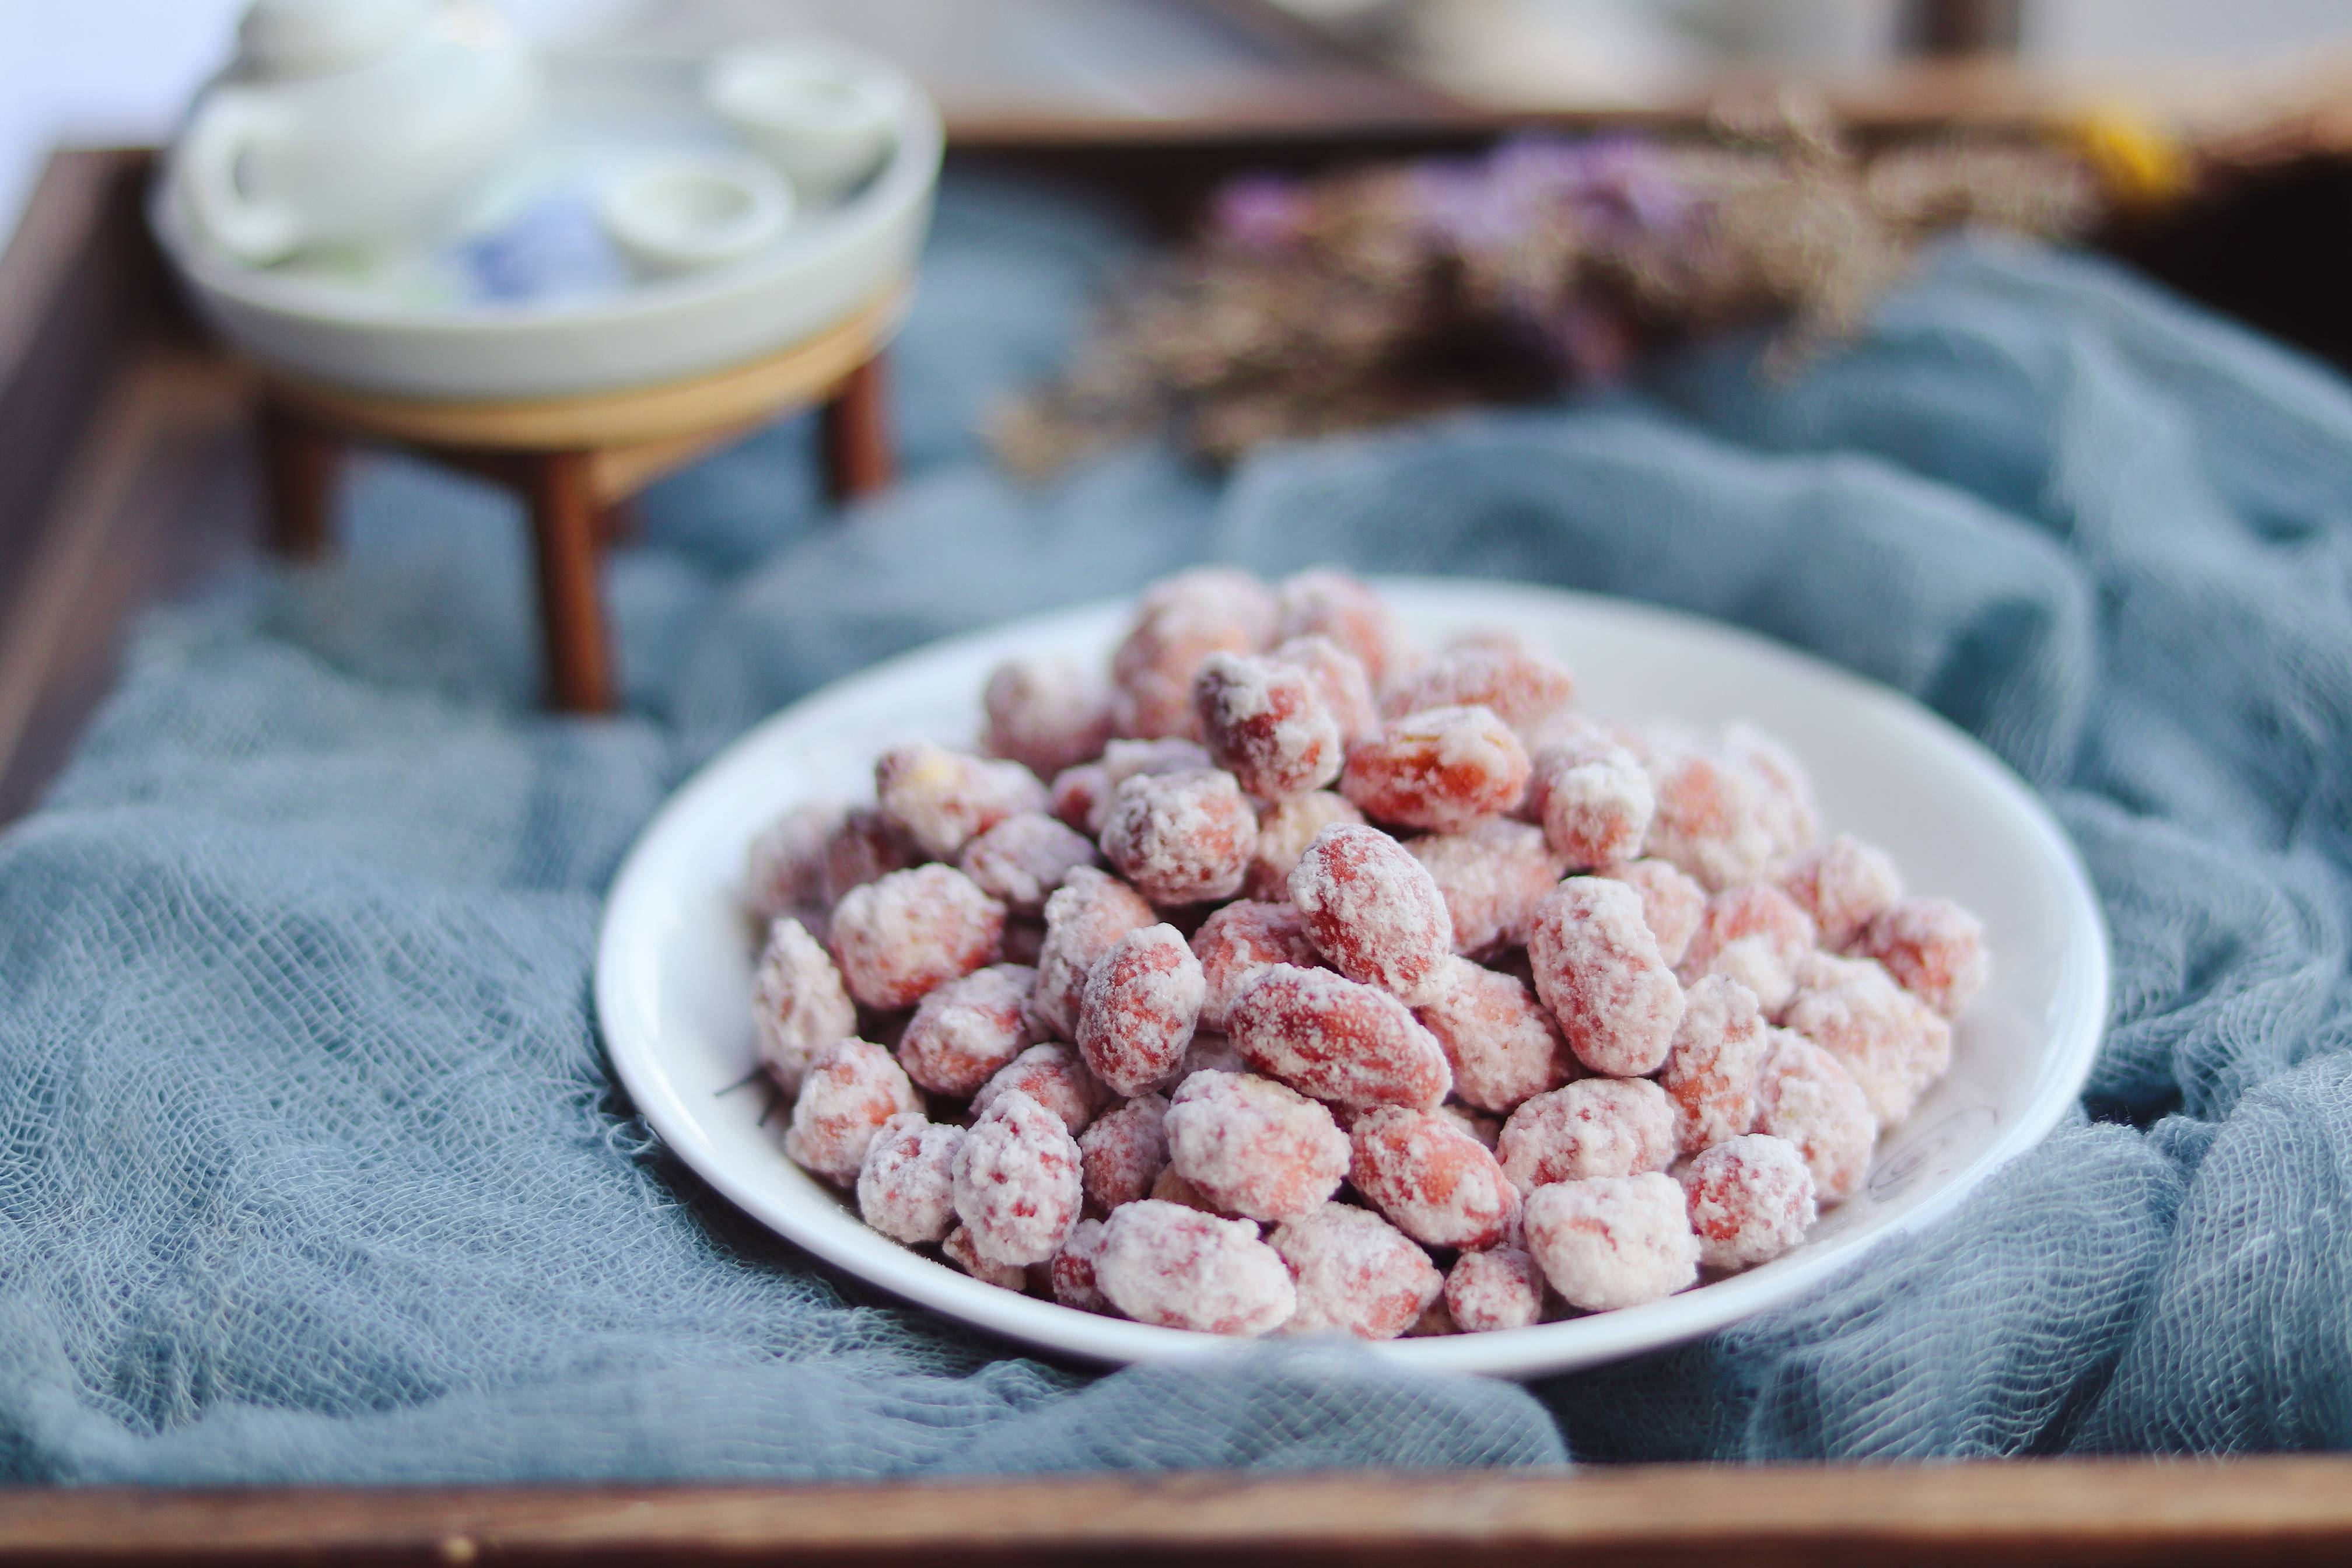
[673,973]
[406,323]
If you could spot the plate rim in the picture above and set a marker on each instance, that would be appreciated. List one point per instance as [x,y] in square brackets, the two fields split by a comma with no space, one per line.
[1540,1350]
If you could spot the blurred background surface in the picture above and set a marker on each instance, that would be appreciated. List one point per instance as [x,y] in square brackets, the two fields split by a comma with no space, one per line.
[118,70]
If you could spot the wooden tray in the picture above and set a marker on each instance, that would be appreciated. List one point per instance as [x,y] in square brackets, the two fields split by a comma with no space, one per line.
[115,414]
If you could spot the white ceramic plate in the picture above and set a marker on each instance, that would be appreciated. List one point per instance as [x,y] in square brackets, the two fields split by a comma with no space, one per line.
[673,973]
[385,330]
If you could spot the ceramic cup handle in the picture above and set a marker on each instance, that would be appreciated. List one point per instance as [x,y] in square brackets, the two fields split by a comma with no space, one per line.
[254,228]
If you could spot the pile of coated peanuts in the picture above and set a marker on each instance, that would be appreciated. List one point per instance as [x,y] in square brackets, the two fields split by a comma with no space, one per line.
[1287,980]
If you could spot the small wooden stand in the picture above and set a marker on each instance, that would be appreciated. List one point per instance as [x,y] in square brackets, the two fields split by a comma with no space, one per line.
[578,463]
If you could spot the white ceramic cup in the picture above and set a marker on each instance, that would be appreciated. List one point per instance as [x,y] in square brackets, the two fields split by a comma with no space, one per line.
[824,112]
[685,214]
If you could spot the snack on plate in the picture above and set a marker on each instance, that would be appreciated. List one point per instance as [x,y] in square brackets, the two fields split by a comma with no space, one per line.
[1276,978]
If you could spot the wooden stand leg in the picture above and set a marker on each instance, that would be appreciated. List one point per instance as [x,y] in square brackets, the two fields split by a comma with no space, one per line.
[857,433]
[567,522]
[300,464]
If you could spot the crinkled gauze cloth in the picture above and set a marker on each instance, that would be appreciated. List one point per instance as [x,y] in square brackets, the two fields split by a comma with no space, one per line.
[313,1170]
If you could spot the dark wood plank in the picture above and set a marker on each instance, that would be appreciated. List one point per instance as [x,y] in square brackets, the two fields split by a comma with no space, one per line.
[2145,1513]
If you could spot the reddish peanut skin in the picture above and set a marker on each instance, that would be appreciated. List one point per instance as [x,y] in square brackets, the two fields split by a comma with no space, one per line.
[1613,1241]
[1265,723]
[1329,1037]
[1672,903]
[1183,838]
[1935,950]
[1374,910]
[1499,1288]
[1046,713]
[965,1031]
[1711,1074]
[1355,1273]
[1054,1075]
[1072,1272]
[1807,1096]
[1340,681]
[1238,940]
[1751,1199]
[849,1091]
[1435,1183]
[1520,689]
[1251,1146]
[1086,915]
[784,870]
[1181,622]
[1491,878]
[865,848]
[1162,1263]
[1503,1044]
[1324,603]
[900,937]
[1141,1002]
[1845,885]
[1285,830]
[1123,1153]
[1017,1182]
[1442,769]
[1597,968]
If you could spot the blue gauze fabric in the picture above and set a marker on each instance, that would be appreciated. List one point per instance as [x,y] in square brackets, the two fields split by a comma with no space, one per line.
[313,1170]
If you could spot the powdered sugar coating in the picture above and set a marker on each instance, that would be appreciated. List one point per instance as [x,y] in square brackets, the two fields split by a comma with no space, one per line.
[1593,799]
[960,1251]
[1355,1273]
[1711,1074]
[943,799]
[1613,1241]
[1162,1263]
[898,938]
[1372,911]
[1045,711]
[850,1089]
[1597,967]
[1140,1004]
[1181,837]
[1328,1036]
[1327,603]
[1238,940]
[1523,689]
[1440,769]
[1784,794]
[1756,935]
[1340,681]
[1016,1181]
[1285,830]
[1022,859]
[1672,903]
[1709,818]
[1265,723]
[1181,621]
[1254,1147]
[1845,885]
[967,1030]
[1807,1096]
[1501,1288]
[865,848]
[1123,1153]
[784,870]
[1434,1182]
[1083,917]
[1502,1043]
[1594,1127]
[1751,1199]
[1894,1043]
[1056,1076]
[906,1184]
[1491,877]
[799,1003]
[1072,1272]
[1935,950]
